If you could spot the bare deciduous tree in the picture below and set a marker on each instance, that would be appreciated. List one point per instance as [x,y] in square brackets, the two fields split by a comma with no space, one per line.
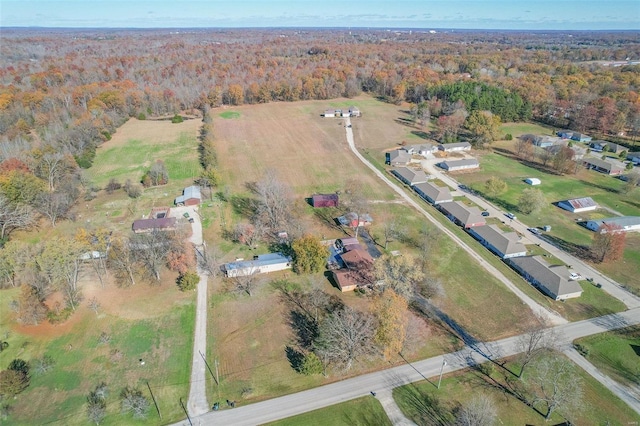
[133,401]
[274,200]
[54,205]
[535,341]
[553,382]
[150,250]
[400,273]
[345,336]
[247,282]
[13,217]
[94,305]
[122,261]
[479,411]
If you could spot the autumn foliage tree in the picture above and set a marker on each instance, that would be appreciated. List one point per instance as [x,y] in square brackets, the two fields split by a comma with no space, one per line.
[391,311]
[309,255]
[608,243]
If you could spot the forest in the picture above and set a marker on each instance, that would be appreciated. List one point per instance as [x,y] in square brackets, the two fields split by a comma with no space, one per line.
[64,92]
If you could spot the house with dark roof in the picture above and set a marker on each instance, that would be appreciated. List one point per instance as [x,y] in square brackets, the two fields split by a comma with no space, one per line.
[461,214]
[325,200]
[358,270]
[634,157]
[465,164]
[578,205]
[398,157]
[260,264]
[433,193]
[141,226]
[624,223]
[579,137]
[551,280]
[505,244]
[455,147]
[599,146]
[190,196]
[545,141]
[607,166]
[410,176]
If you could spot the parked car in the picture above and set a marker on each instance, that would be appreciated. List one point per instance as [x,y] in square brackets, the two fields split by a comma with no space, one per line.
[461,186]
[575,276]
[535,231]
[511,216]
[485,213]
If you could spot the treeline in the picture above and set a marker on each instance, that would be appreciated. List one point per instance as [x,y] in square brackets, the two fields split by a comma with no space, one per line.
[71,90]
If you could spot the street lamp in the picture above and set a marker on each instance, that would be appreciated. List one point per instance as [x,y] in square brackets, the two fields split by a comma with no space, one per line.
[444,362]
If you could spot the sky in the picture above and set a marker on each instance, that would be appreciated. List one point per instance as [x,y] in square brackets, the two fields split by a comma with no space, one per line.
[425,14]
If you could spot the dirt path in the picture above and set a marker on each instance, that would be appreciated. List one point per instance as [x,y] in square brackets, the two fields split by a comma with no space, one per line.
[538,309]
[197,403]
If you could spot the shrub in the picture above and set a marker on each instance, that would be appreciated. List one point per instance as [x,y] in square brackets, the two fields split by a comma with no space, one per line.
[508,137]
[12,382]
[133,190]
[311,365]
[188,281]
[177,119]
[113,185]
[142,116]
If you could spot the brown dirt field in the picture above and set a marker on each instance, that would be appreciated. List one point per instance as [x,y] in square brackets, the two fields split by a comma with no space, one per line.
[158,131]
[309,151]
[46,329]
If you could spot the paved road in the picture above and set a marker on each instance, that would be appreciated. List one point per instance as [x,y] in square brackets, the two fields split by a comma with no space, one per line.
[538,309]
[584,269]
[631,397]
[386,380]
[197,403]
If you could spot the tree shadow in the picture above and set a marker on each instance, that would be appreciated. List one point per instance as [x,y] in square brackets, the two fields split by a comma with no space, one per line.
[304,327]
[243,206]
[425,407]
[421,134]
[577,250]
[636,349]
[295,358]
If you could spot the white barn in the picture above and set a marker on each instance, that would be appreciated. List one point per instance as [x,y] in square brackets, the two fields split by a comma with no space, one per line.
[578,205]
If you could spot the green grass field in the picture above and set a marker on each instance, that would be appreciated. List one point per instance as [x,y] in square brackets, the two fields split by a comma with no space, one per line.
[365,411]
[163,341]
[133,159]
[564,227]
[616,353]
[422,402]
[229,115]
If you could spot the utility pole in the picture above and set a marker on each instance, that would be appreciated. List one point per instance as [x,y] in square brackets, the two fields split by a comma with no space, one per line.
[217,378]
[441,370]
[185,412]
[154,400]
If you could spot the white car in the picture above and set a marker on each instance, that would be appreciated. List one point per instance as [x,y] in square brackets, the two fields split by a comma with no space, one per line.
[511,216]
[574,276]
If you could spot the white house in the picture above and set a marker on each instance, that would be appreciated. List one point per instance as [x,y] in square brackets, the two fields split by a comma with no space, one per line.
[330,113]
[261,264]
[454,165]
[626,223]
[354,112]
[578,205]
[454,147]
[532,181]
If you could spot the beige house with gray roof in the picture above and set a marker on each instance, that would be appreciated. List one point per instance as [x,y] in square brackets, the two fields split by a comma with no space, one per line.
[551,280]
[504,244]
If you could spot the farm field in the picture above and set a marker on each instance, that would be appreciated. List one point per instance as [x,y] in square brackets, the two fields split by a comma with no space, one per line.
[615,354]
[422,401]
[364,411]
[249,334]
[131,325]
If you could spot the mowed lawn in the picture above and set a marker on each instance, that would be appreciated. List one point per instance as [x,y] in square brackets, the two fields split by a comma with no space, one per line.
[616,353]
[422,401]
[366,411]
[605,190]
[136,145]
[154,324]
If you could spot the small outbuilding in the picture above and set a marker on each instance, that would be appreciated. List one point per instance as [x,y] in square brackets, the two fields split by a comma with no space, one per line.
[261,264]
[325,200]
[532,181]
[191,196]
[578,205]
